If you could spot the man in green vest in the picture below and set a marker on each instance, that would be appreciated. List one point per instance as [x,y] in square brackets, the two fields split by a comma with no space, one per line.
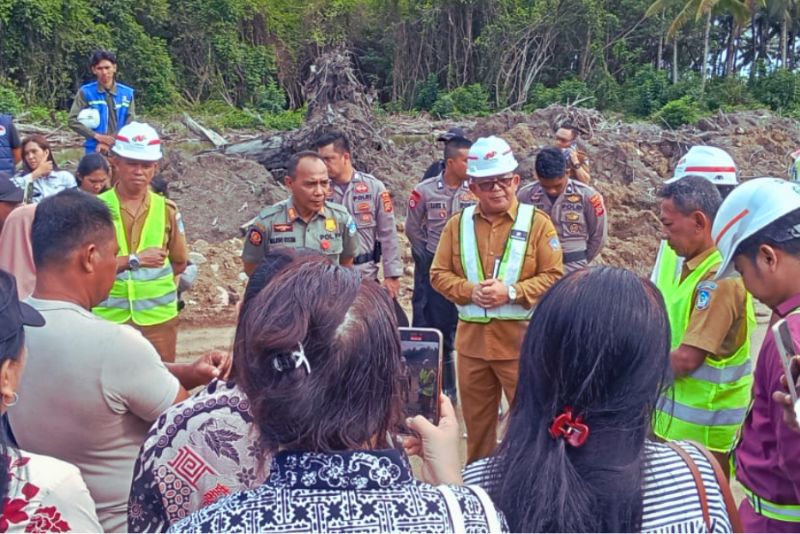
[152,244]
[711,322]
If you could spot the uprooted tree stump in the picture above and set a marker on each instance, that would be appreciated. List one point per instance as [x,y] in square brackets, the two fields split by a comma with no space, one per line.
[336,100]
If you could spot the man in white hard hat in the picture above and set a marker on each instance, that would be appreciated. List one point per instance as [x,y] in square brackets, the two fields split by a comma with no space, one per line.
[151,239]
[103,106]
[757,231]
[716,166]
[711,324]
[494,261]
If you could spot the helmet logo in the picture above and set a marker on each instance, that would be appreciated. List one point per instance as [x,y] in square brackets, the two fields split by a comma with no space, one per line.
[490,155]
[139,138]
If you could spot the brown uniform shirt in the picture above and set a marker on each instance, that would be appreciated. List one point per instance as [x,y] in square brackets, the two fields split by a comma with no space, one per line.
[718,323]
[174,234]
[496,340]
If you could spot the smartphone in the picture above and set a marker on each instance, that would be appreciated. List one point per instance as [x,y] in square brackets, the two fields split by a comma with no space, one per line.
[788,350]
[423,354]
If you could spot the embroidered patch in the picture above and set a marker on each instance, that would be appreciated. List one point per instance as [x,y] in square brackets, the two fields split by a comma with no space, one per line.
[703,299]
[386,198]
[255,237]
[351,227]
[359,198]
[292,214]
[286,227]
[711,286]
[597,204]
[415,197]
[572,216]
[554,243]
[442,214]
[365,218]
[179,220]
[362,188]
[330,225]
[363,207]
[573,198]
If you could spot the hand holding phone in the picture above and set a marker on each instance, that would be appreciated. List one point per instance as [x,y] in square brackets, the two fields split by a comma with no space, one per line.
[791,366]
[436,445]
[423,354]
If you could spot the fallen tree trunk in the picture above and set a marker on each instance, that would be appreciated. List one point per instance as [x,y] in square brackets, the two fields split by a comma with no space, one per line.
[215,139]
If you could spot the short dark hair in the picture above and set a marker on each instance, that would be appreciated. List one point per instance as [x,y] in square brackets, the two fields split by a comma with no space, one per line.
[338,139]
[347,329]
[294,161]
[64,222]
[452,147]
[91,163]
[572,128]
[693,193]
[783,234]
[100,55]
[550,163]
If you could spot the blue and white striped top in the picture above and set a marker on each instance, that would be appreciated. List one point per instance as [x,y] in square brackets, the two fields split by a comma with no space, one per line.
[671,503]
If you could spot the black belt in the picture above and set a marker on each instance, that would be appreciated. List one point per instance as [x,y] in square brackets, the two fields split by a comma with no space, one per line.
[362,258]
[578,255]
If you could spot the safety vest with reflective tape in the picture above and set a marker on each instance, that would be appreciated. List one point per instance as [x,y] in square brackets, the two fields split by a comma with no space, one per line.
[510,265]
[667,270]
[710,404]
[95,98]
[146,296]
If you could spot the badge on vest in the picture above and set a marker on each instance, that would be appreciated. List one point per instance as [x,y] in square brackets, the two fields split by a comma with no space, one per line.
[330,225]
[573,198]
[519,234]
[362,188]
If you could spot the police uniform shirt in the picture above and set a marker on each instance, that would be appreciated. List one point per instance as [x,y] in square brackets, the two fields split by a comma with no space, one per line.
[331,231]
[431,204]
[579,216]
[717,321]
[370,204]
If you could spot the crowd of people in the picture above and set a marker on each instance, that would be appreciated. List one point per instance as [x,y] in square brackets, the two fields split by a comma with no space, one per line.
[632,403]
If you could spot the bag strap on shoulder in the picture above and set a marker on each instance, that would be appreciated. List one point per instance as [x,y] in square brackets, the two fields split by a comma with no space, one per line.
[724,486]
[698,480]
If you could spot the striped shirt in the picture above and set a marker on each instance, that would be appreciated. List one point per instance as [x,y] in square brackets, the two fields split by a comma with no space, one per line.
[671,502]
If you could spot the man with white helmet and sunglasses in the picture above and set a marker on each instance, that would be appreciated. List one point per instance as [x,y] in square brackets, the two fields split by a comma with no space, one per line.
[494,261]
[757,231]
[152,243]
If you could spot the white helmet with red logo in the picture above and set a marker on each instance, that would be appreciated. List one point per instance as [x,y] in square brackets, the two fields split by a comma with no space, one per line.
[490,156]
[710,162]
[138,141]
[751,207]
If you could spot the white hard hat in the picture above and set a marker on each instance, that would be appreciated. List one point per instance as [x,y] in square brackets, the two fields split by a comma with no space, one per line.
[749,208]
[138,141]
[710,162]
[89,117]
[490,156]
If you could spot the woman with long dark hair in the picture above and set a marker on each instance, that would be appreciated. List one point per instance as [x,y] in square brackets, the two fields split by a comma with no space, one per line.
[321,365]
[38,493]
[40,176]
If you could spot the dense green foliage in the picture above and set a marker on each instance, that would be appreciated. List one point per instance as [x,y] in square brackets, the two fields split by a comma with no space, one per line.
[246,59]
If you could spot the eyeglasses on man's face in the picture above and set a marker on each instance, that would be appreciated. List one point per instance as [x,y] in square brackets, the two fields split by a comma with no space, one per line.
[504,182]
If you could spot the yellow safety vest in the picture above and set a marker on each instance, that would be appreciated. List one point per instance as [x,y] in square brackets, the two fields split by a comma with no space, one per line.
[710,404]
[147,296]
[510,265]
[667,270]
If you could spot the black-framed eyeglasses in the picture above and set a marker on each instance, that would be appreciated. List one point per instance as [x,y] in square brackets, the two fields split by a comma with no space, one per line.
[504,182]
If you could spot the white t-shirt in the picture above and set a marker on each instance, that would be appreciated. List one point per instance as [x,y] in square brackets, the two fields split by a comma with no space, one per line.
[89,393]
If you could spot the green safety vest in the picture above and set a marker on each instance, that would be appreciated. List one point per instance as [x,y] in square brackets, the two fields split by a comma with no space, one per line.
[667,270]
[147,296]
[710,404]
[510,265]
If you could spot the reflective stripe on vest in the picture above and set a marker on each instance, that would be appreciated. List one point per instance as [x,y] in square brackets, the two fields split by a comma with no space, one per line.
[510,265]
[710,404]
[146,296]
[97,100]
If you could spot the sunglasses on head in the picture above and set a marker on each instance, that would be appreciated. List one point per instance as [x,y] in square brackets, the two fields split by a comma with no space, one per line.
[504,182]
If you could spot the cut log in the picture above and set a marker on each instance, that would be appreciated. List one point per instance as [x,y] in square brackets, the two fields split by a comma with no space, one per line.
[216,139]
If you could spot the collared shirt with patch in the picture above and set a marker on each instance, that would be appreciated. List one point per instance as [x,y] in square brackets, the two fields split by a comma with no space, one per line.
[430,206]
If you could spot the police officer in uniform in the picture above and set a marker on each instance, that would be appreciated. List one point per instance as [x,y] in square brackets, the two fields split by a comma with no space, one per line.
[304,220]
[577,210]
[432,203]
[10,145]
[370,204]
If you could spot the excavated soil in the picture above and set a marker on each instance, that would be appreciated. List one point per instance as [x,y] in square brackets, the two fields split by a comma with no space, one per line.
[218,193]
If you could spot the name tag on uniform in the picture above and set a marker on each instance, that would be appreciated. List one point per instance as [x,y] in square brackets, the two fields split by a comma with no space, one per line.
[282,227]
[326,236]
[519,234]
[359,198]
[436,205]
[274,240]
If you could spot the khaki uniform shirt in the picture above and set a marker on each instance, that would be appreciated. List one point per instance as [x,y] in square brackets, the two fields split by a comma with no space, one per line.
[332,232]
[431,204]
[112,128]
[579,216]
[370,204]
[174,232]
[718,320]
[496,340]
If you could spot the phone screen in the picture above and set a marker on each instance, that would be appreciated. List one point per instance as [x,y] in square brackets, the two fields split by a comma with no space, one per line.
[422,352]
[787,350]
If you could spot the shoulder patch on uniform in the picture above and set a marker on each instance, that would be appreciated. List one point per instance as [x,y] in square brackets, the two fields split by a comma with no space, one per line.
[386,198]
[255,237]
[351,227]
[554,243]
[414,199]
[179,220]
[703,299]
[597,203]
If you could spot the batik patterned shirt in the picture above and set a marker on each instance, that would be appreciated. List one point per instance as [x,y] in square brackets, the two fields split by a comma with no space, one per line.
[198,451]
[361,491]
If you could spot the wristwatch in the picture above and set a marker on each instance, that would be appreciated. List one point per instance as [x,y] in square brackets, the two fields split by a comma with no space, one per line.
[133,262]
[512,294]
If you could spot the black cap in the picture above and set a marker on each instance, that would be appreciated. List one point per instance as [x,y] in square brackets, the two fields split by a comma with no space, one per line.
[9,192]
[454,133]
[13,313]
